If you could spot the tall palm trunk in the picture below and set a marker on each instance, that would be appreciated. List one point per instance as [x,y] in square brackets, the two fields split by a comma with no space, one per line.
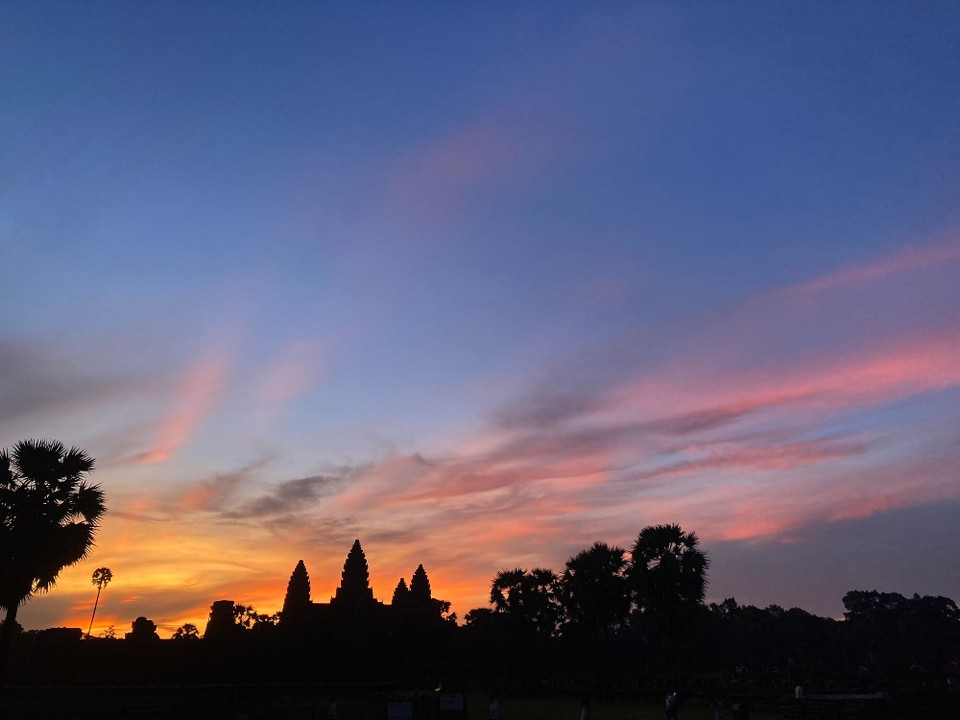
[94,614]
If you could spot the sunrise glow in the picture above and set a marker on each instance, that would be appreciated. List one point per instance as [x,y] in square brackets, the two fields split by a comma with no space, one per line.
[484,291]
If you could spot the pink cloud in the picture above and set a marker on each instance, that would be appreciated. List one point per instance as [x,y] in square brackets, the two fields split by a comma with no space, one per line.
[430,184]
[774,457]
[193,401]
[909,365]
[438,176]
[766,505]
[605,464]
[910,259]
[296,371]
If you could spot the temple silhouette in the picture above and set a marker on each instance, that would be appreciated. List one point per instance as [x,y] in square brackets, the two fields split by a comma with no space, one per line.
[355,635]
[354,599]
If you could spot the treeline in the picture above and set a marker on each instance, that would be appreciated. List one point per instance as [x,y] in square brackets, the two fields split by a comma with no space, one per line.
[609,618]
[642,619]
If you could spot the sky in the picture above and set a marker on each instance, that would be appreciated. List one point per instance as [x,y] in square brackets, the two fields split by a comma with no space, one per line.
[482,283]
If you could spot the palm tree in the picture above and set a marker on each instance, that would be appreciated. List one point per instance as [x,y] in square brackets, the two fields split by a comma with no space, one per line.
[101,578]
[506,591]
[668,576]
[668,569]
[49,515]
[596,601]
[530,597]
[543,601]
[594,588]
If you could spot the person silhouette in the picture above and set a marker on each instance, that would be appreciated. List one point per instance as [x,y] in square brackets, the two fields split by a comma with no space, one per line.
[585,709]
[673,706]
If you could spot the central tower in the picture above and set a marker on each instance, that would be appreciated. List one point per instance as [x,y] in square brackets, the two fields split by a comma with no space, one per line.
[354,590]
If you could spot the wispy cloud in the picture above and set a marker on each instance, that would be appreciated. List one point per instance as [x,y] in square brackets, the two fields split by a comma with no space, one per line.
[785,456]
[433,183]
[439,175]
[35,381]
[909,259]
[295,371]
[913,363]
[288,498]
[193,402]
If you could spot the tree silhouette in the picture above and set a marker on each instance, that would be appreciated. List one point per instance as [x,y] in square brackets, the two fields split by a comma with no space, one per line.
[187,631]
[596,600]
[48,519]
[526,604]
[259,623]
[529,597]
[507,590]
[101,578]
[594,589]
[668,569]
[886,628]
[668,576]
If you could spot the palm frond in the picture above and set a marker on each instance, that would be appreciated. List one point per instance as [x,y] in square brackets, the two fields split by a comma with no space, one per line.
[48,516]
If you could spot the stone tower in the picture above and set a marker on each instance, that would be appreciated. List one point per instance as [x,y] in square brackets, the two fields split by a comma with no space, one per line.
[354,590]
[420,586]
[297,599]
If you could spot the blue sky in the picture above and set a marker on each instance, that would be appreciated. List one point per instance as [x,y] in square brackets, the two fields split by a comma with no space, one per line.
[481,283]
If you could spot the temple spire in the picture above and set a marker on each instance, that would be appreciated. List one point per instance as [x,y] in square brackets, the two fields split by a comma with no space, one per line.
[298,590]
[354,587]
[420,586]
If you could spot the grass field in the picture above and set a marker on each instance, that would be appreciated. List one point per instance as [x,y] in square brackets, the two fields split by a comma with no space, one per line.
[569,708]
[311,703]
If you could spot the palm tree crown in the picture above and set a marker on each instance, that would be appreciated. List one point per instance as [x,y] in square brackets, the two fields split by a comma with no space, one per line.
[668,569]
[48,517]
[101,578]
[530,597]
[594,587]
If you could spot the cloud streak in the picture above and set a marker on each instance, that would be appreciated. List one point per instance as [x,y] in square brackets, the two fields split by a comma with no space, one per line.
[287,498]
[296,371]
[907,260]
[194,400]
[34,382]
